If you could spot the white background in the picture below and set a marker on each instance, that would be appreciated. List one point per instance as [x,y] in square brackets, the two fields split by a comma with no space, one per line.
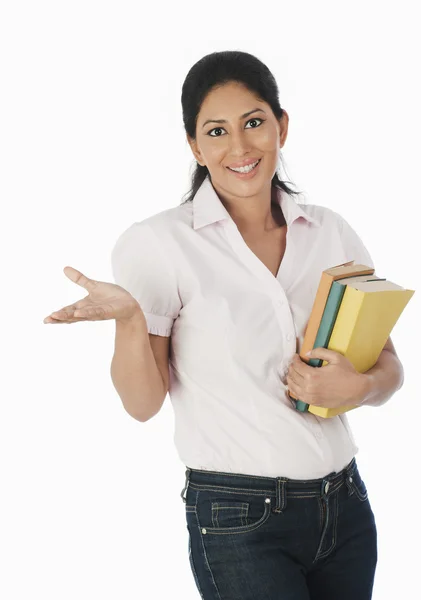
[92,140]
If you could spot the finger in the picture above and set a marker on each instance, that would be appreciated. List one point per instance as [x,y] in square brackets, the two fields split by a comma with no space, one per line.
[63,313]
[299,393]
[68,311]
[93,313]
[49,320]
[296,369]
[325,354]
[80,279]
[52,321]
[300,368]
[83,313]
[293,389]
[295,377]
[62,316]
[297,387]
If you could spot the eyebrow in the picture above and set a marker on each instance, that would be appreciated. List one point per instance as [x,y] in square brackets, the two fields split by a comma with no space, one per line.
[242,117]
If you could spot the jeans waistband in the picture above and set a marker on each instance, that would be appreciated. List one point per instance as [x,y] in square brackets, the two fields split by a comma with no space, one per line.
[280,486]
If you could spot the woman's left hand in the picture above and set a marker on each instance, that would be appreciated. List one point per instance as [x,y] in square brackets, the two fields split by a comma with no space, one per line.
[333,385]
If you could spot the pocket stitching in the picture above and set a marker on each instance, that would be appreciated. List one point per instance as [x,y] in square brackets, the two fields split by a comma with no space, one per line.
[194,569]
[217,506]
[228,490]
[241,529]
[357,492]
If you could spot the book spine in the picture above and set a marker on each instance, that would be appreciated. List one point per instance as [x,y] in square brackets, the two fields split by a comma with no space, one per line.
[301,406]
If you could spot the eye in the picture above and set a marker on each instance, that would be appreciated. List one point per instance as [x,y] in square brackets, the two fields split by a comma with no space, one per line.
[249,121]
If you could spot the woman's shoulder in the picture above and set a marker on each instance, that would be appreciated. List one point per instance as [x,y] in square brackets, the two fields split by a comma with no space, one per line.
[168,218]
[162,223]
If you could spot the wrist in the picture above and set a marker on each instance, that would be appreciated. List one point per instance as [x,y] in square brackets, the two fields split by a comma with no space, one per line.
[136,318]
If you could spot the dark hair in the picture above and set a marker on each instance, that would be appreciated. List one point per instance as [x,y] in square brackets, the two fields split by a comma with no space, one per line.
[215,70]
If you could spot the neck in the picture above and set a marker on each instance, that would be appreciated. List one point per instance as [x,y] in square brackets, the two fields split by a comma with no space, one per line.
[254,215]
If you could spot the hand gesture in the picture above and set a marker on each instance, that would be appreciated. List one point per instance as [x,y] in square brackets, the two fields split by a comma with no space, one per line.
[104,301]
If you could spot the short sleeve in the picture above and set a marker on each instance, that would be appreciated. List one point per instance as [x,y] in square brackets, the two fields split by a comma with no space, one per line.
[353,245]
[140,265]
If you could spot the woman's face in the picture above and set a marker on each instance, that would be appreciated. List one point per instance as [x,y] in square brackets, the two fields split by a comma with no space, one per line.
[259,135]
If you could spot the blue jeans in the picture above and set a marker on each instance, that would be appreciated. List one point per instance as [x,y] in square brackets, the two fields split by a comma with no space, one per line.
[264,538]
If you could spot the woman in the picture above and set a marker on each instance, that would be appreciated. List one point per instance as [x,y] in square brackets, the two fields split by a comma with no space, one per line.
[211,302]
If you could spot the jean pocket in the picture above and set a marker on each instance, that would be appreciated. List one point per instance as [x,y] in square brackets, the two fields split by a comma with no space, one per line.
[357,486]
[219,513]
[229,513]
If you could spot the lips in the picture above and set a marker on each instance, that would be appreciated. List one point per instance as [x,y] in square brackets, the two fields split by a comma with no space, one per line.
[246,165]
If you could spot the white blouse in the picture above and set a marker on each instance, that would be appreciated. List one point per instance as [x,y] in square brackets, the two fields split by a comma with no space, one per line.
[234,329]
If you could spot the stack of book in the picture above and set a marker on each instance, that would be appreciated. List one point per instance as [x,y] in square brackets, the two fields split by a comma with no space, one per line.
[353,313]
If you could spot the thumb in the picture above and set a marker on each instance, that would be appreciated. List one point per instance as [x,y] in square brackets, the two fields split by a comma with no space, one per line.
[79,278]
[325,354]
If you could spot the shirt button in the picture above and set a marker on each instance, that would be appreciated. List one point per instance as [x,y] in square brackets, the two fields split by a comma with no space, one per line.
[290,337]
[317,433]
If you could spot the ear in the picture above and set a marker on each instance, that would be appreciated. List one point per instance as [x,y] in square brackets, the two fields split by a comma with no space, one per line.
[283,123]
[196,152]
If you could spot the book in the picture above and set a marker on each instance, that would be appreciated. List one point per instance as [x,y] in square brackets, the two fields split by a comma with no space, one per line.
[325,330]
[330,312]
[357,319]
[328,276]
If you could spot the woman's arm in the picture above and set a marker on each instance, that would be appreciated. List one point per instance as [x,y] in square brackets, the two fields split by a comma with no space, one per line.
[383,379]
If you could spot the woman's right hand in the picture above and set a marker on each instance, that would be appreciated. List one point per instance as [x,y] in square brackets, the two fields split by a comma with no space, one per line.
[104,301]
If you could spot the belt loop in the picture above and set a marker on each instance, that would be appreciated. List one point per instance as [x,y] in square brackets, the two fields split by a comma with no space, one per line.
[281,498]
[186,484]
[350,470]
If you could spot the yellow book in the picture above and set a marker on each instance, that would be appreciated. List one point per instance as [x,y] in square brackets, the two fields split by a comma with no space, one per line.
[369,310]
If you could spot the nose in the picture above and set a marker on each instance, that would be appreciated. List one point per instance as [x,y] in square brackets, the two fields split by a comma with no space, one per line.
[240,145]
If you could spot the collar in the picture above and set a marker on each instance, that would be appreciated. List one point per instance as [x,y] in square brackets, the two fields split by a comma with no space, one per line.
[208,208]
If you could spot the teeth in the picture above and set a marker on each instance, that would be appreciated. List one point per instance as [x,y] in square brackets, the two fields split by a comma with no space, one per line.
[245,169]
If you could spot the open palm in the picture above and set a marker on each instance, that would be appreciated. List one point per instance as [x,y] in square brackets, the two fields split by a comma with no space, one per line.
[104,301]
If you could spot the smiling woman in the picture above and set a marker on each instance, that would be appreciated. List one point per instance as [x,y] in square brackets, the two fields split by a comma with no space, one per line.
[275,504]
[242,153]
[258,132]
[236,128]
